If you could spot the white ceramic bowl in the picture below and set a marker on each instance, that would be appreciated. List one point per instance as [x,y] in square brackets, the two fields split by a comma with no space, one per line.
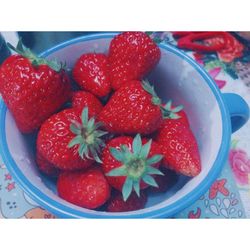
[176,77]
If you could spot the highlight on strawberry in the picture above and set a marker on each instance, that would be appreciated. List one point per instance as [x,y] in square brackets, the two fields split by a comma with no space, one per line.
[32,87]
[140,111]
[91,74]
[132,55]
[71,139]
[88,189]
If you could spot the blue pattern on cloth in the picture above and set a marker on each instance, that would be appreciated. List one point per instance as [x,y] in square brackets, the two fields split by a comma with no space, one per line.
[220,205]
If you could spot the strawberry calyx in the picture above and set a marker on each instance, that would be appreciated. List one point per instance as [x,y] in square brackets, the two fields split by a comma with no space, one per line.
[135,165]
[88,137]
[167,110]
[34,59]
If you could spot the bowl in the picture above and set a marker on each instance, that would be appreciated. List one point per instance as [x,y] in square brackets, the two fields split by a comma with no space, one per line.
[213,117]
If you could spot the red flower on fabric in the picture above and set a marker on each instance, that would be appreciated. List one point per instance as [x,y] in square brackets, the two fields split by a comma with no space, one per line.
[233,48]
[218,187]
[240,165]
[194,215]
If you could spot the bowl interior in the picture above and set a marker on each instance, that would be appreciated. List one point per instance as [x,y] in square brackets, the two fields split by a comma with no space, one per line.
[174,78]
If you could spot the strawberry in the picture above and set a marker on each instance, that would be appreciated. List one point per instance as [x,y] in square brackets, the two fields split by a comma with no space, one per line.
[117,204]
[132,55]
[183,117]
[165,181]
[69,140]
[88,189]
[82,99]
[134,108]
[46,167]
[33,88]
[91,73]
[128,163]
[173,112]
[179,147]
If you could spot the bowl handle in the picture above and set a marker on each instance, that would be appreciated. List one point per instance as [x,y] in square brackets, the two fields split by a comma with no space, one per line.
[238,110]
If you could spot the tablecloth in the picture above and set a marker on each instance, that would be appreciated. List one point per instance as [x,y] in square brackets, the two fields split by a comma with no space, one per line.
[229,195]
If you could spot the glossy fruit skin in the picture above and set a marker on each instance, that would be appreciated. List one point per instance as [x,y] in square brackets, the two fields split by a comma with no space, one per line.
[54,137]
[32,93]
[117,204]
[130,111]
[183,118]
[81,99]
[179,147]
[88,189]
[46,167]
[91,73]
[132,55]
[109,162]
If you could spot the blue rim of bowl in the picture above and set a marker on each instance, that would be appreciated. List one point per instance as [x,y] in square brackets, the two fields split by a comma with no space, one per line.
[64,211]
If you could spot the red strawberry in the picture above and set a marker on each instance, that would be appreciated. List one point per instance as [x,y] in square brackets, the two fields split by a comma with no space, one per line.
[91,73]
[129,163]
[33,88]
[46,167]
[117,204]
[183,117]
[179,147]
[132,55]
[134,108]
[82,99]
[69,140]
[173,112]
[88,189]
[165,181]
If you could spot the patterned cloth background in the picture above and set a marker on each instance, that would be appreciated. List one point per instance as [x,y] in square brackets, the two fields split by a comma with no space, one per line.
[229,195]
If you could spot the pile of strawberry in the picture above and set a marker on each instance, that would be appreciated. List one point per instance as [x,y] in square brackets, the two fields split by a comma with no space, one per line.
[117,141]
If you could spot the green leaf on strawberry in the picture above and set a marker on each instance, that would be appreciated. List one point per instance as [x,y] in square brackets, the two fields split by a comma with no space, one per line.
[88,136]
[35,60]
[135,165]
[167,110]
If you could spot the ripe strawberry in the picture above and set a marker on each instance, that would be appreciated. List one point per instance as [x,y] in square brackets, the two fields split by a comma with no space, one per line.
[183,117]
[91,73]
[128,163]
[173,112]
[179,147]
[132,55]
[46,167]
[82,99]
[117,204]
[69,140]
[88,189]
[33,88]
[134,108]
